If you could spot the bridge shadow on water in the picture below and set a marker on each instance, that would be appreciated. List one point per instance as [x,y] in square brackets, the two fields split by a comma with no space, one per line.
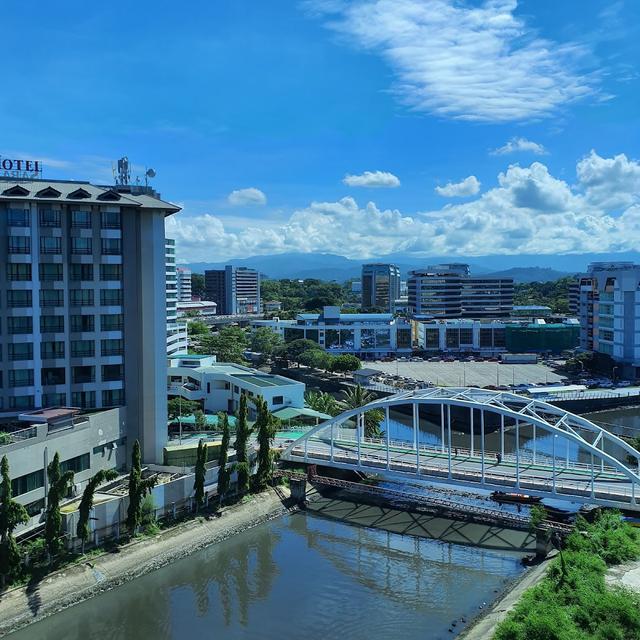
[423,525]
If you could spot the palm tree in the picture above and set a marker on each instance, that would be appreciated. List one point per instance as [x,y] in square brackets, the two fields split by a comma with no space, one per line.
[356,397]
[322,402]
[86,503]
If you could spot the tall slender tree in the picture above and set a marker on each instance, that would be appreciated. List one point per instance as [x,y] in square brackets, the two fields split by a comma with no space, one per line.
[242,431]
[223,471]
[59,485]
[138,489]
[12,514]
[201,470]
[86,503]
[266,428]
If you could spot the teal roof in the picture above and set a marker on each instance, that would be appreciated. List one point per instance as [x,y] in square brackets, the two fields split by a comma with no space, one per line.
[290,413]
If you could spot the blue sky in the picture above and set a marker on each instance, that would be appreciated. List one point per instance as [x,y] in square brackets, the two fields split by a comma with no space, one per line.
[467,127]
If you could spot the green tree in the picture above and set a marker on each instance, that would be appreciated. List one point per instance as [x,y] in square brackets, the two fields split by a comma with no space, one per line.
[346,363]
[266,427]
[201,420]
[265,341]
[316,359]
[86,503]
[294,349]
[228,345]
[198,328]
[12,514]
[223,456]
[138,489]
[178,406]
[59,485]
[322,402]
[200,472]
[243,472]
[356,397]
[243,431]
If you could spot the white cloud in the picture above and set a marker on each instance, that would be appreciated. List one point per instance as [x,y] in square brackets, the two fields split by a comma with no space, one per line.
[250,196]
[480,63]
[463,189]
[528,211]
[372,179]
[516,145]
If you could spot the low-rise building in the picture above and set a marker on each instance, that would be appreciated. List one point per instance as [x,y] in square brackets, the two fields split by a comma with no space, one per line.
[368,335]
[531,311]
[272,306]
[201,310]
[219,385]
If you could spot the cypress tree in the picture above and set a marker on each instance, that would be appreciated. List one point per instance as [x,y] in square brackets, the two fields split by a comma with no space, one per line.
[265,426]
[59,485]
[223,471]
[11,515]
[86,503]
[201,470]
[242,431]
[138,489]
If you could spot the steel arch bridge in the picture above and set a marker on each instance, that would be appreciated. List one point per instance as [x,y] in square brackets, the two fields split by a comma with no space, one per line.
[479,438]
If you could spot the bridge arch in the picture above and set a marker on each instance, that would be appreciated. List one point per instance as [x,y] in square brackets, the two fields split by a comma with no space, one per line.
[614,482]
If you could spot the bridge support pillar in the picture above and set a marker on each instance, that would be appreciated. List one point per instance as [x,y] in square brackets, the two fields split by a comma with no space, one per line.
[298,489]
[543,542]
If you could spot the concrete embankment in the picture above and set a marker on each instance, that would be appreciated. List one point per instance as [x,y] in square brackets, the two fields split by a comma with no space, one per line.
[23,605]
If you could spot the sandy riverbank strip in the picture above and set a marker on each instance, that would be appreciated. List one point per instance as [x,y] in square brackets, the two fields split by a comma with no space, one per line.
[625,575]
[23,605]
[483,627]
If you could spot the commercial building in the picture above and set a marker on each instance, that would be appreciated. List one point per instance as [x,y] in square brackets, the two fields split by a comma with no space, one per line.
[176,331]
[272,306]
[218,386]
[368,335]
[202,310]
[380,286]
[83,302]
[450,291]
[183,281]
[610,313]
[236,290]
[574,297]
[492,337]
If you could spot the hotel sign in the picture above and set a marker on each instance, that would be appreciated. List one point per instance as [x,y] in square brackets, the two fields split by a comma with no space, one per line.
[20,169]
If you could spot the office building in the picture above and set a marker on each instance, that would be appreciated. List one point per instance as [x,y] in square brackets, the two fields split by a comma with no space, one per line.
[183,280]
[610,314]
[236,290]
[574,297]
[83,302]
[380,286]
[176,331]
[450,291]
[368,335]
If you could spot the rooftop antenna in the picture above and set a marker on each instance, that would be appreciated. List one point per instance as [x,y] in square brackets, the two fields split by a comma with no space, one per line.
[150,173]
[123,175]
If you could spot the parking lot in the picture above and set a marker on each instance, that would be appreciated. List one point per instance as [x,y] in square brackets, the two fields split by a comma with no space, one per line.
[460,374]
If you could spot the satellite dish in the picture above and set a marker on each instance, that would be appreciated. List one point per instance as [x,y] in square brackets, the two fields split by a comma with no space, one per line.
[151,173]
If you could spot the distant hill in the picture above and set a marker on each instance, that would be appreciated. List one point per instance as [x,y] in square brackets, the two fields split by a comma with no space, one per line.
[529,274]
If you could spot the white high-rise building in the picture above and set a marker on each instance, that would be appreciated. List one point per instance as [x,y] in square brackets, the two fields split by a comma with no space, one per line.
[183,276]
[83,302]
[176,331]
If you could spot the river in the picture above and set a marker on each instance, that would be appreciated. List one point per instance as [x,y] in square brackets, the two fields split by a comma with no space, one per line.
[300,576]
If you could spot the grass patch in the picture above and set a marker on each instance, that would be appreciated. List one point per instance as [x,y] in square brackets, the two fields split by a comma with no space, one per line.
[573,601]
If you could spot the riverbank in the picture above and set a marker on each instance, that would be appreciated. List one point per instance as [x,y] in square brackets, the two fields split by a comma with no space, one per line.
[73,584]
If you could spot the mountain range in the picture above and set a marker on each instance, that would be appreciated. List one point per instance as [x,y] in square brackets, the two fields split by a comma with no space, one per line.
[327,266]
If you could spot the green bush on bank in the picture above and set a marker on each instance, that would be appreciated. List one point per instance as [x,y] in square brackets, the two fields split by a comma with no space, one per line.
[573,601]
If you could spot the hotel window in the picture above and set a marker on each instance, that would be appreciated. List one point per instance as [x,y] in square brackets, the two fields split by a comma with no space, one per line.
[81,297]
[81,219]
[50,244]
[51,297]
[30,481]
[82,323]
[19,325]
[20,377]
[54,399]
[111,272]
[21,402]
[20,351]
[84,399]
[81,272]
[79,463]
[110,297]
[113,397]
[111,347]
[51,324]
[111,372]
[18,271]
[53,375]
[51,272]
[81,246]
[49,217]
[19,244]
[83,375]
[52,349]
[18,217]
[111,322]
[111,246]
[110,220]
[19,298]
[82,349]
